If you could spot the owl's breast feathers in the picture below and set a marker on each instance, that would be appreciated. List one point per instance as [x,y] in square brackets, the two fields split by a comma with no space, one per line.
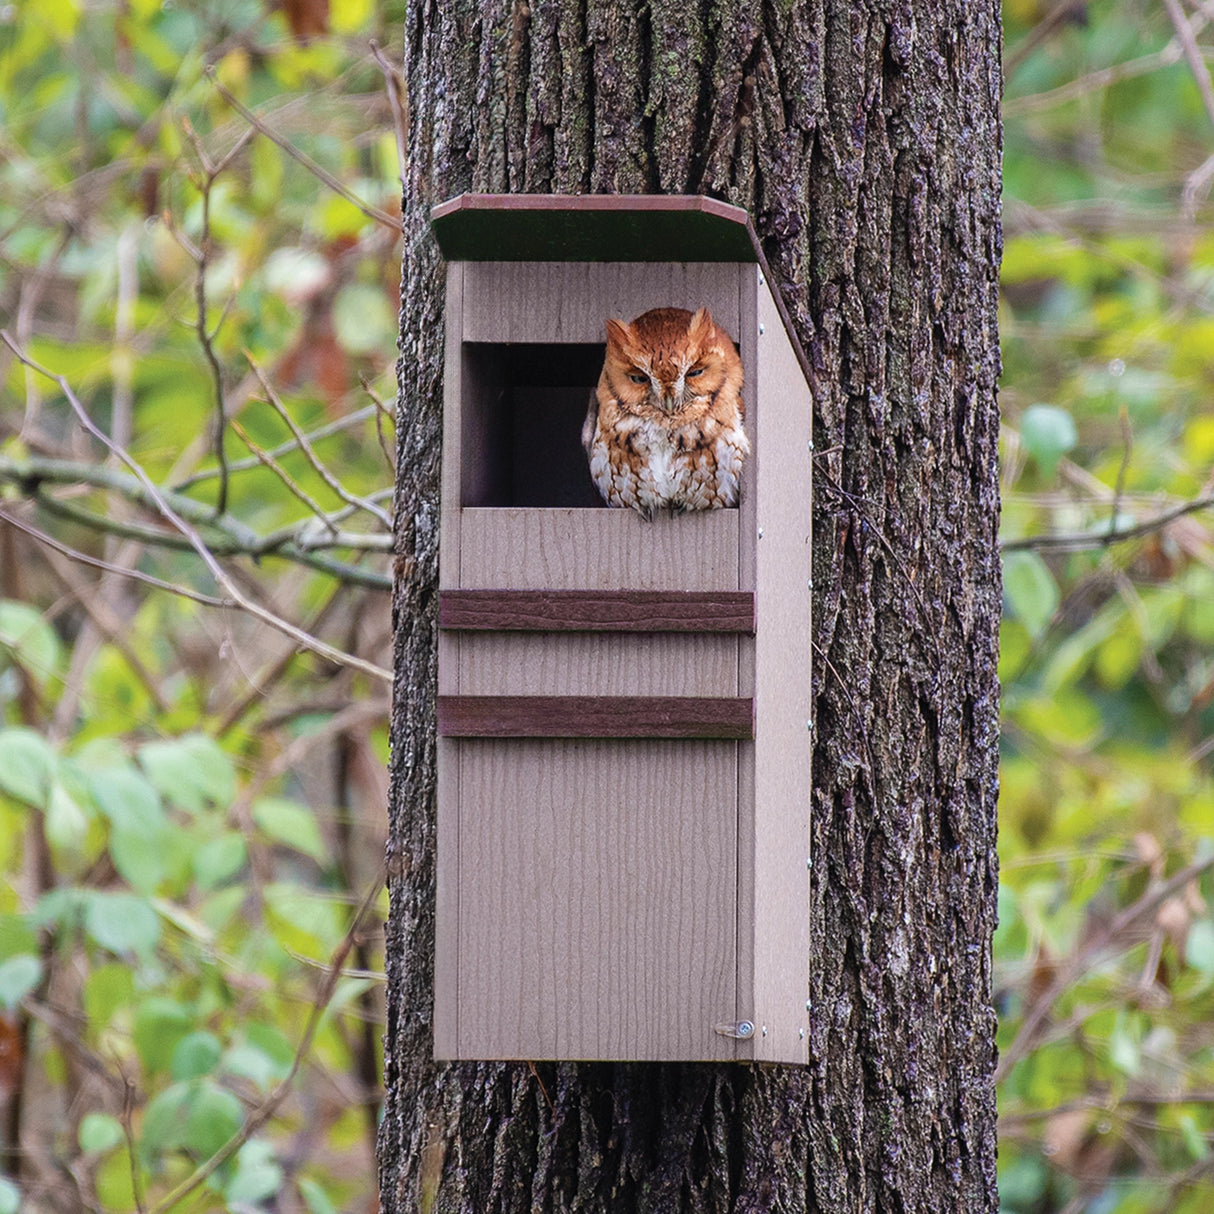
[649,464]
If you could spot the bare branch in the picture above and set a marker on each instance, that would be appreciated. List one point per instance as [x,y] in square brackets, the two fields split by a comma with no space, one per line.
[35,533]
[371,212]
[334,427]
[196,542]
[300,543]
[1081,541]
[306,447]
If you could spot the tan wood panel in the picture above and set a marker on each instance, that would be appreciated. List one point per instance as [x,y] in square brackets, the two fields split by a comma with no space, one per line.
[446,903]
[782,696]
[603,664]
[572,549]
[597,911]
[547,301]
[448,553]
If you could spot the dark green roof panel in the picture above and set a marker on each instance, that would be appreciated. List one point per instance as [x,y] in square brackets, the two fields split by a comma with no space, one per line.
[592,227]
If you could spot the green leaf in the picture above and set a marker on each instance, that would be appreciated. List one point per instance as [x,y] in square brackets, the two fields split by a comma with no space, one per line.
[122,923]
[214,1116]
[1029,590]
[10,1196]
[67,823]
[248,1062]
[18,976]
[99,1132]
[1199,947]
[363,320]
[257,1175]
[139,858]
[128,800]
[215,862]
[27,766]
[160,1023]
[1048,433]
[164,1120]
[291,824]
[317,1199]
[195,1055]
[107,989]
[192,772]
[31,641]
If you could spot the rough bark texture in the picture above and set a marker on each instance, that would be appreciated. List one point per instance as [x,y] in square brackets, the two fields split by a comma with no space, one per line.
[864,138]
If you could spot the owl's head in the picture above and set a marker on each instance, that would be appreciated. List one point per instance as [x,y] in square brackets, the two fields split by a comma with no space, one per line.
[670,361]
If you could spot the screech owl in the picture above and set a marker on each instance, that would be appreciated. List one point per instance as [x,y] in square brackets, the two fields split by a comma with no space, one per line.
[665,423]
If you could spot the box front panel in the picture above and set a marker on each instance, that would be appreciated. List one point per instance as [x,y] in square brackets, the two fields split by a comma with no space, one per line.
[597,899]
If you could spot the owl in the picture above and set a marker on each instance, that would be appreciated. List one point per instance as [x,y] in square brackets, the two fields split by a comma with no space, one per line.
[665,423]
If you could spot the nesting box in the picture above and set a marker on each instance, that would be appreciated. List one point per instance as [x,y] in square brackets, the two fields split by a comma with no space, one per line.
[624,746]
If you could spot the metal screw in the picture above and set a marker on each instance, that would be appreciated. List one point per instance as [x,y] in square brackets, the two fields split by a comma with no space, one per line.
[811,444]
[760,533]
[801,1034]
[762,330]
[807,1005]
[810,726]
[810,583]
[765,1030]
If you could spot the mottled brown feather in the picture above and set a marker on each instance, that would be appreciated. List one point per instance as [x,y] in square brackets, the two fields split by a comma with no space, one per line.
[664,428]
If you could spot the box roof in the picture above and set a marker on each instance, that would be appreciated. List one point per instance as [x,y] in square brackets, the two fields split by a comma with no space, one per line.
[593,227]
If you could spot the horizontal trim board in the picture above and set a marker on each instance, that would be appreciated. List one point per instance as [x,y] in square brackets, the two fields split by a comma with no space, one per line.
[597,610]
[729,717]
[592,227]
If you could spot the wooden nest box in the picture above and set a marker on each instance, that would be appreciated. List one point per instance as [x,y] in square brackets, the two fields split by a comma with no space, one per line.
[624,706]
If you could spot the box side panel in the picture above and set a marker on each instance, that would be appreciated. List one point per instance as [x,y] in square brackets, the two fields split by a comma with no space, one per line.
[446,909]
[548,301]
[597,664]
[446,932]
[597,912]
[782,696]
[747,540]
[570,549]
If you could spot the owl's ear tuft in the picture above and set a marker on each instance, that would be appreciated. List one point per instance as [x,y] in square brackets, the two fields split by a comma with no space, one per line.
[701,325]
[619,334]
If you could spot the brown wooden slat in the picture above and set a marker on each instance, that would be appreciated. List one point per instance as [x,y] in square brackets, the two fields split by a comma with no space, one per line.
[597,610]
[596,717]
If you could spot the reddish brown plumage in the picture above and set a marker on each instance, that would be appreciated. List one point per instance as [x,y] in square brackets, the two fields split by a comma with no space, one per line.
[665,423]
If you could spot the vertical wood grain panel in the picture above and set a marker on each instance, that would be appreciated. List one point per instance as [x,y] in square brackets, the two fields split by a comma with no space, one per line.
[782,697]
[551,301]
[597,899]
[453,387]
[571,549]
[446,902]
[597,664]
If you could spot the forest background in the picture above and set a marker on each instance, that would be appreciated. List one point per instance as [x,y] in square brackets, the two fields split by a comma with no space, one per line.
[198,206]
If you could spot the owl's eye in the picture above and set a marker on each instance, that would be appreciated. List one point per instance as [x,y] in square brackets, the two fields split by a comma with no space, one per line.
[638,379]
[694,372]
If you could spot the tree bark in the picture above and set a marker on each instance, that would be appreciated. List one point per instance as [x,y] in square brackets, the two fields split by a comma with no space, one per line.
[864,138]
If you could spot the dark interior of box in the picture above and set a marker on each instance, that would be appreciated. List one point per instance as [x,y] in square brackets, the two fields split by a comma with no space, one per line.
[523,409]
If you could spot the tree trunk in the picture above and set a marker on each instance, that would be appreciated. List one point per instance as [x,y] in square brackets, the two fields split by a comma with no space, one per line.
[865,140]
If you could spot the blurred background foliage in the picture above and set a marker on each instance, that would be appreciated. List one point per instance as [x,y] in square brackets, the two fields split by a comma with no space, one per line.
[192,795]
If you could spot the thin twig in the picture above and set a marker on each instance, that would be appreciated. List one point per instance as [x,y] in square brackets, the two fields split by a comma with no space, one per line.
[1127,445]
[371,212]
[1082,541]
[325,431]
[297,490]
[1103,939]
[392,83]
[310,455]
[136,575]
[323,648]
